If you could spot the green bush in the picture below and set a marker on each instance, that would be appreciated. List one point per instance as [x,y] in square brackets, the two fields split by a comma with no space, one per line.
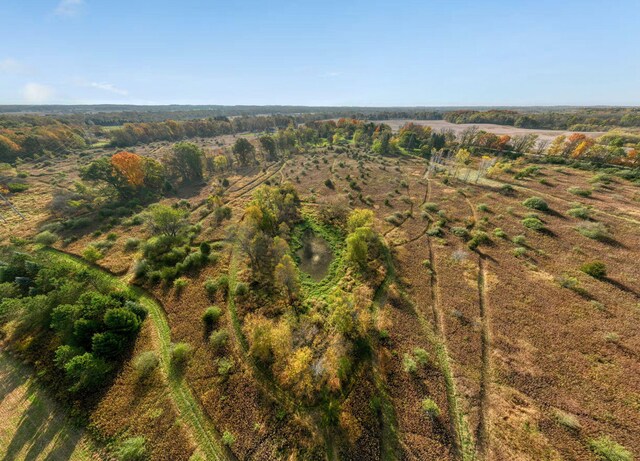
[421,356]
[593,230]
[580,191]
[180,284]
[533,223]
[507,189]
[409,364]
[519,251]
[595,269]
[430,206]
[46,238]
[86,372]
[132,449]
[461,232]
[92,254]
[211,316]
[107,345]
[536,203]
[567,420]
[608,450]
[241,289]
[579,211]
[519,239]
[145,363]
[499,233]
[218,339]
[430,407]
[478,238]
[225,366]
[15,187]
[131,244]
[600,178]
[221,284]
[180,354]
[482,207]
[228,439]
[122,321]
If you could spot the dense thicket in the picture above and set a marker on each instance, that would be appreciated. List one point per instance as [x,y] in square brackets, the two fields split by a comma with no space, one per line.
[71,324]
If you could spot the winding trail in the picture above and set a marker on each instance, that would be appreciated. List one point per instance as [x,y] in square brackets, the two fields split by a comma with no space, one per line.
[189,408]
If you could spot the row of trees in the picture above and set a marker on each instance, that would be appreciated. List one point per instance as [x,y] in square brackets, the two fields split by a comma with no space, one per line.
[55,139]
[580,146]
[586,119]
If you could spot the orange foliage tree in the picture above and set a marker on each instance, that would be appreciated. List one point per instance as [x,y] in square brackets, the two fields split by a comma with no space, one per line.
[130,166]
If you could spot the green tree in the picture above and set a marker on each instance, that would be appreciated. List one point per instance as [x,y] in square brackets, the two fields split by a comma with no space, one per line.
[268,147]
[186,161]
[244,151]
[86,372]
[122,321]
[166,220]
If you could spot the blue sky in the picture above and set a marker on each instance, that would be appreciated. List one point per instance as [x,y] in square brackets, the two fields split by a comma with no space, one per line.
[370,53]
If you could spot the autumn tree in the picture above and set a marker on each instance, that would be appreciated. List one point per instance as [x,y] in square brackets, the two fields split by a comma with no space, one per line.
[286,277]
[129,166]
[129,174]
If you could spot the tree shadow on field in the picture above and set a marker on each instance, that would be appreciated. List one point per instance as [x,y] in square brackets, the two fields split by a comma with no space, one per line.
[41,428]
[621,286]
[9,381]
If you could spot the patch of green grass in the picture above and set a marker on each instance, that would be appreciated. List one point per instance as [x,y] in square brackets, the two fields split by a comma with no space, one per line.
[608,450]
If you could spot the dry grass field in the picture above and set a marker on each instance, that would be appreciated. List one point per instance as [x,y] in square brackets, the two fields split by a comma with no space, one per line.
[528,357]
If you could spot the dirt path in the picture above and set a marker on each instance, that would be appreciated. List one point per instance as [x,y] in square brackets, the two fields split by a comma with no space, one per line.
[436,333]
[250,186]
[189,409]
[482,431]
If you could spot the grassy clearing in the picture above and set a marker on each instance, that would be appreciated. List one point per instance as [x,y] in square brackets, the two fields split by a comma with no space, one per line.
[33,425]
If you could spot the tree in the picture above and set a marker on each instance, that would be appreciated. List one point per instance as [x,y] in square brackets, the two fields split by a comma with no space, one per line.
[166,220]
[220,162]
[186,161]
[268,147]
[130,167]
[359,217]
[244,151]
[129,174]
[86,372]
[358,246]
[557,146]
[286,276]
[107,344]
[122,321]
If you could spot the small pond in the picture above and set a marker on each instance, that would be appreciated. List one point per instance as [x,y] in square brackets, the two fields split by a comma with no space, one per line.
[315,255]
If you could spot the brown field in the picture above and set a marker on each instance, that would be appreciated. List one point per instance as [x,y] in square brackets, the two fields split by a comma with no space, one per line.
[513,351]
[457,128]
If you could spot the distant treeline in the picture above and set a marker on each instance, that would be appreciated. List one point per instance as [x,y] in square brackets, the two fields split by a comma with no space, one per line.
[68,128]
[596,119]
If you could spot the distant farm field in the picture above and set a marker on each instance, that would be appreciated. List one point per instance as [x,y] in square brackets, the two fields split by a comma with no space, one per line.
[547,135]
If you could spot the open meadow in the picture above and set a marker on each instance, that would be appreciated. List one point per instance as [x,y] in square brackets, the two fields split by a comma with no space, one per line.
[492,314]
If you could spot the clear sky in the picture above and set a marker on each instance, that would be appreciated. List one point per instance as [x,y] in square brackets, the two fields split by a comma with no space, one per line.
[326,52]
